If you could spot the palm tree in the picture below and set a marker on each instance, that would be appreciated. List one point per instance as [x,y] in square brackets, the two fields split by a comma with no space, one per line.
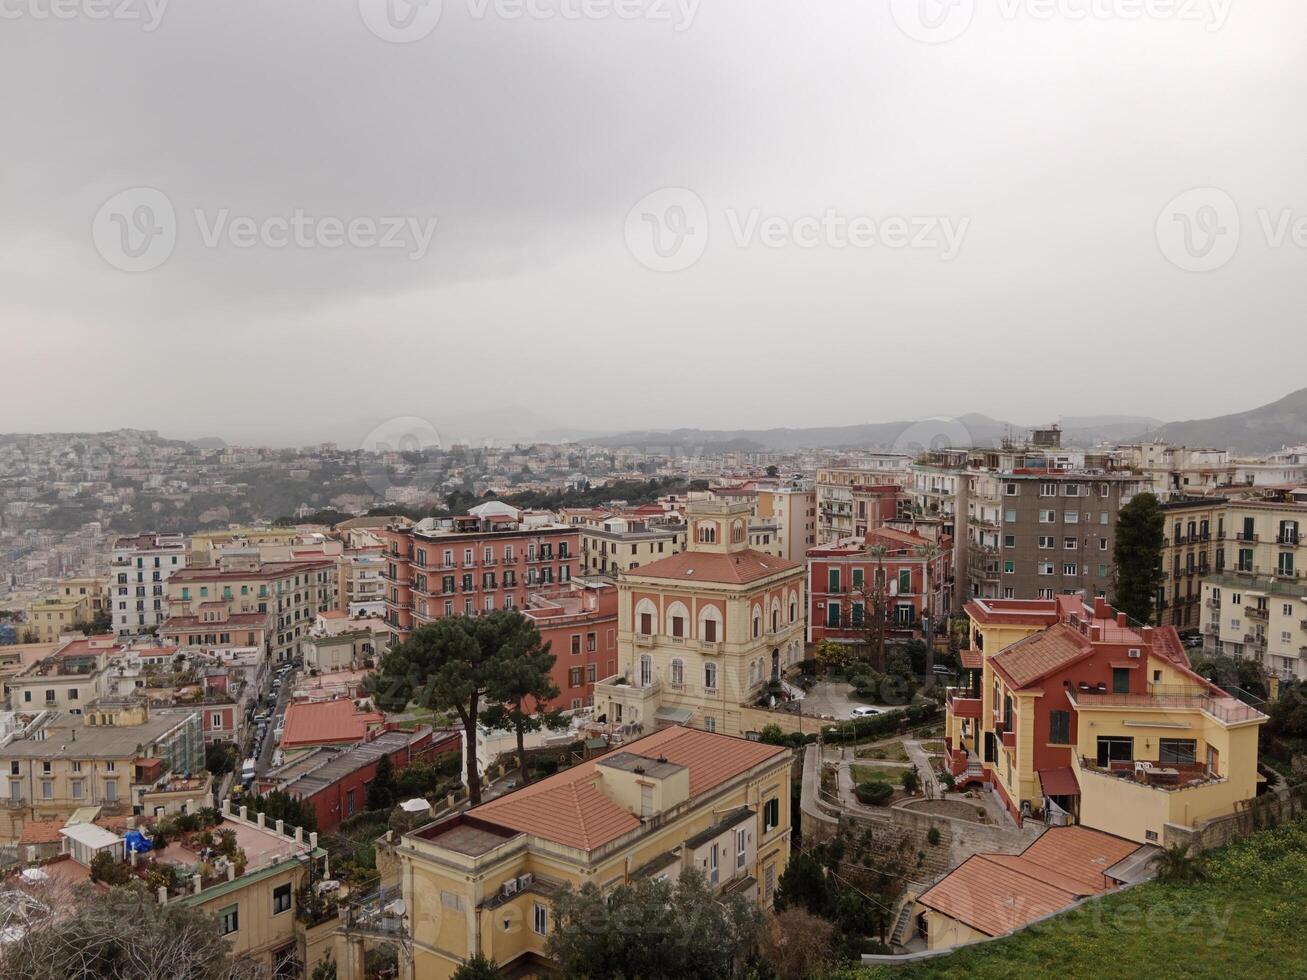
[1176,865]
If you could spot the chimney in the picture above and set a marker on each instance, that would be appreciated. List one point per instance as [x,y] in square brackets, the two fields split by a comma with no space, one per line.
[1101,610]
[1148,635]
[1096,633]
[313,840]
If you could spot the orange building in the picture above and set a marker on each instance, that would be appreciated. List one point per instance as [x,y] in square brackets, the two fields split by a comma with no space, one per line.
[579,622]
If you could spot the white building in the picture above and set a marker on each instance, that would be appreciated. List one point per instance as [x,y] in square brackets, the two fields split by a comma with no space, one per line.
[139,573]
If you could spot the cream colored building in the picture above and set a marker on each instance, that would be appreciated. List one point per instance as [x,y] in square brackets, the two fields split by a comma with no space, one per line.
[50,617]
[482,881]
[794,510]
[620,543]
[701,633]
[116,755]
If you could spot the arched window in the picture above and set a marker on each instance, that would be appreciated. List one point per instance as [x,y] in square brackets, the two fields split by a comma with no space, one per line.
[646,618]
[794,607]
[710,677]
[710,624]
[707,532]
[757,622]
[775,615]
[678,672]
[737,532]
[678,620]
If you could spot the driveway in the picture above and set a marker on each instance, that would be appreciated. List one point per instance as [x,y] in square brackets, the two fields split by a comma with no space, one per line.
[831,700]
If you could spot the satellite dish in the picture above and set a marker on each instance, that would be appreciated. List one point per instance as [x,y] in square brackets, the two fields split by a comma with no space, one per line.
[399,908]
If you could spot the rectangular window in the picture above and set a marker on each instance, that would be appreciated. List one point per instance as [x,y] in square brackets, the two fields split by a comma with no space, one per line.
[229,919]
[832,614]
[832,580]
[1177,751]
[1115,749]
[1059,727]
[281,899]
[771,815]
[1121,680]
[740,839]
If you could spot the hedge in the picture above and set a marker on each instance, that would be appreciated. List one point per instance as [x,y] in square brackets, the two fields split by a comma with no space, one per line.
[875,793]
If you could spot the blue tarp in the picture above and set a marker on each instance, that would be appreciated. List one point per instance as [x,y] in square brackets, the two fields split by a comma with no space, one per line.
[136,842]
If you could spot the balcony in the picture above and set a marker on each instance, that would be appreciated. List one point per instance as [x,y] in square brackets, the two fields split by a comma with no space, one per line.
[1254,612]
[15,802]
[1162,698]
[964,703]
[1152,773]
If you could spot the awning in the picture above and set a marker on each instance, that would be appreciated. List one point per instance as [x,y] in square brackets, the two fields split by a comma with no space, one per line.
[674,716]
[972,659]
[1059,782]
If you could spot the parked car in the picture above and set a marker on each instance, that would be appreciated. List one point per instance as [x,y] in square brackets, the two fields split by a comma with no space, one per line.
[864,712]
[943,669]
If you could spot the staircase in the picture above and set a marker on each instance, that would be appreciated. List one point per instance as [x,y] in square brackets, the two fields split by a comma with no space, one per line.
[901,923]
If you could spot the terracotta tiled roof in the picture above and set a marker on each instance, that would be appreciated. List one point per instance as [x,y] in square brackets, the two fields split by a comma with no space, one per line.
[1026,661]
[971,659]
[993,898]
[571,809]
[1080,853]
[327,723]
[738,568]
[41,832]
[1166,643]
[996,893]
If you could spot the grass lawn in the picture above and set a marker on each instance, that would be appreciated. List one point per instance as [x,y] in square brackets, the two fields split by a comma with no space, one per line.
[933,747]
[867,774]
[1244,920]
[891,751]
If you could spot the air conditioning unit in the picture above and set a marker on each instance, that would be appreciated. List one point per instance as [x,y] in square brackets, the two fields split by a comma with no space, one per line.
[510,886]
[524,881]
[1133,654]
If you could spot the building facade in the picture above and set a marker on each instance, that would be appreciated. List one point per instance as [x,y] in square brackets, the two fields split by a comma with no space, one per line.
[482,881]
[492,558]
[701,634]
[139,571]
[794,511]
[579,622]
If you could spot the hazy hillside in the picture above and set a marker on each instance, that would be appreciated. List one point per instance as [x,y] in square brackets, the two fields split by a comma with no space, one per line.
[1259,430]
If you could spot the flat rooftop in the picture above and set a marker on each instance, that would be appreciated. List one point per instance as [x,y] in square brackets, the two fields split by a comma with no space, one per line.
[67,737]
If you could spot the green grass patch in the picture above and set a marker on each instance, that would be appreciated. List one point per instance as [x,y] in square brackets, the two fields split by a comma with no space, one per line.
[1245,919]
[869,774]
[891,751]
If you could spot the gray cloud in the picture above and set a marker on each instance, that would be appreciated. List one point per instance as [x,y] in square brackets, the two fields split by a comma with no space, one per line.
[1059,140]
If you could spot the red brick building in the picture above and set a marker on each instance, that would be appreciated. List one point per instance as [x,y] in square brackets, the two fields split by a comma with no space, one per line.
[580,624]
[334,781]
[492,558]
[842,576]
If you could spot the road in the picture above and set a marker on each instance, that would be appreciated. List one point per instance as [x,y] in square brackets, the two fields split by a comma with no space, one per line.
[264,761]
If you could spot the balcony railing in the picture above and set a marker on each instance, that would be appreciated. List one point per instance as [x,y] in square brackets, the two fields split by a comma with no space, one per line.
[1227,710]
[1254,612]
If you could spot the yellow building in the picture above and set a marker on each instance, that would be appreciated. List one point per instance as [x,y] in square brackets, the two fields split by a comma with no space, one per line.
[794,510]
[117,756]
[1075,715]
[1194,532]
[701,633]
[481,881]
[52,616]
[621,543]
[257,910]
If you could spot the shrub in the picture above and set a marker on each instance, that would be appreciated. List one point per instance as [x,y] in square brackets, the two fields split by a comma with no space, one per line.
[106,868]
[875,793]
[911,780]
[932,837]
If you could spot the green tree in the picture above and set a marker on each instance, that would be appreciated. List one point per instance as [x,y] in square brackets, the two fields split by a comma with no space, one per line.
[1138,557]
[280,805]
[479,967]
[381,791]
[1289,711]
[1175,863]
[521,685]
[108,869]
[455,664]
[651,929]
[220,758]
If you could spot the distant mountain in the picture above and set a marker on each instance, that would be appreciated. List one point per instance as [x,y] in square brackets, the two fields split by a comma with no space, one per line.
[209,442]
[506,426]
[911,437]
[1259,430]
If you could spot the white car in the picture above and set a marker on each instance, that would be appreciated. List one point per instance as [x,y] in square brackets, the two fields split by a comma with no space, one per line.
[864,712]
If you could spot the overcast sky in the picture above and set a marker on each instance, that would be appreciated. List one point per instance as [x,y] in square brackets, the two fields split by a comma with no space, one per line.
[997,226]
